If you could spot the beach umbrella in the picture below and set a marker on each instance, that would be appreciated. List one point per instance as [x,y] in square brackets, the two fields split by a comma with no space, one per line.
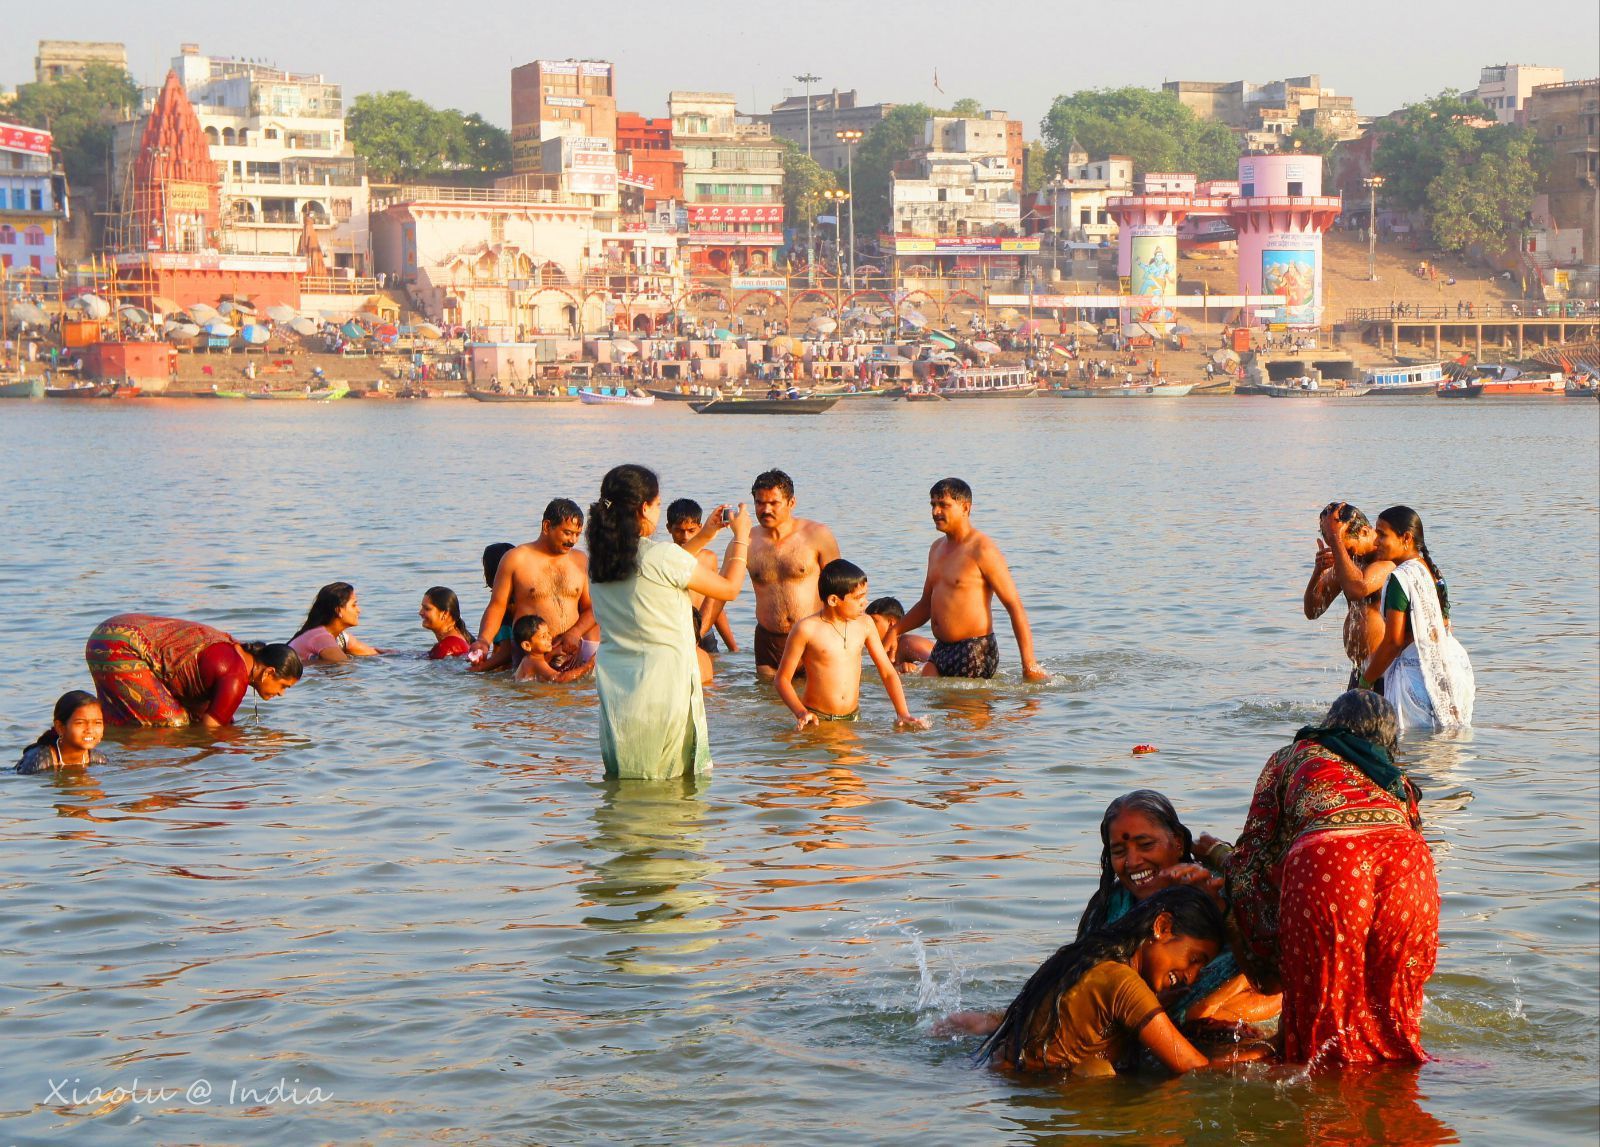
[1060,350]
[1085,328]
[1027,329]
[944,340]
[303,326]
[93,306]
[30,313]
[353,330]
[623,346]
[243,307]
[134,314]
[916,320]
[1183,329]
[202,313]
[1225,356]
[181,331]
[165,305]
[1008,312]
[225,307]
[368,316]
[782,344]
[386,331]
[871,320]
[823,325]
[986,347]
[255,334]
[429,331]
[279,313]
[219,328]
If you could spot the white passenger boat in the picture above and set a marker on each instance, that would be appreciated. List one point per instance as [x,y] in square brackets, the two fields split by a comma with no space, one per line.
[987,382]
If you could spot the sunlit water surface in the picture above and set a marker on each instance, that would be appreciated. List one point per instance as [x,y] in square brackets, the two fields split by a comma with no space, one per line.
[407,894]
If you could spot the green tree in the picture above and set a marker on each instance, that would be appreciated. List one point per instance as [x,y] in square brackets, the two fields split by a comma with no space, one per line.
[967,108]
[1470,179]
[483,146]
[1311,140]
[804,181]
[891,140]
[1038,167]
[79,111]
[401,137]
[1152,128]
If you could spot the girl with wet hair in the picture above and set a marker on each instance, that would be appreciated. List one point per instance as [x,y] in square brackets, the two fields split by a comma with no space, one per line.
[1092,1004]
[1424,670]
[1346,563]
[325,634]
[77,726]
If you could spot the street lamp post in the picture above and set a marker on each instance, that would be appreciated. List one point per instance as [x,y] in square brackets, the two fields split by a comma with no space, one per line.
[850,137]
[811,241]
[837,197]
[1372,183]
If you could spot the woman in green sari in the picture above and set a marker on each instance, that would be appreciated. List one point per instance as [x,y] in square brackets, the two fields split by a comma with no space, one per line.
[652,713]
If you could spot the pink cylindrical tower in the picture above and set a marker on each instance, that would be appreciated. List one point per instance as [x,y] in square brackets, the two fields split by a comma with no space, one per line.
[1280,214]
[1147,241]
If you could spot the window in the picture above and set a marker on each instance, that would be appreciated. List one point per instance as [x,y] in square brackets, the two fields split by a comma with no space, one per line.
[1086,216]
[1247,190]
[8,236]
[272,133]
[1297,189]
[35,236]
[1103,217]
[36,199]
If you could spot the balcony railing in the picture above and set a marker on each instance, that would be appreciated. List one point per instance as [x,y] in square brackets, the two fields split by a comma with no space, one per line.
[421,193]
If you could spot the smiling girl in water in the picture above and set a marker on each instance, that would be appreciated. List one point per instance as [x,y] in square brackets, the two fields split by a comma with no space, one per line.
[69,742]
[1090,1006]
[441,616]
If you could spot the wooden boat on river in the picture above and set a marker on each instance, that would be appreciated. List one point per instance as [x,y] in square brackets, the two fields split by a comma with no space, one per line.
[1154,390]
[595,398]
[510,396]
[22,388]
[764,405]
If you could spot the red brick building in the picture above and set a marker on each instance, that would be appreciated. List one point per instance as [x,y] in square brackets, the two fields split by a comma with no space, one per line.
[645,151]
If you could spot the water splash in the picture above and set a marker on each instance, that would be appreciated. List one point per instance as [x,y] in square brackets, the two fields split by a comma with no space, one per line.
[893,944]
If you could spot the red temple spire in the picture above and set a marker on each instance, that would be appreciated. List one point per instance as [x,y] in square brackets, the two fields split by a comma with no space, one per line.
[175,183]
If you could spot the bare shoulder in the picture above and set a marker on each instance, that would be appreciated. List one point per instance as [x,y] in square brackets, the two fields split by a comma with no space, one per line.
[814,531]
[579,559]
[706,558]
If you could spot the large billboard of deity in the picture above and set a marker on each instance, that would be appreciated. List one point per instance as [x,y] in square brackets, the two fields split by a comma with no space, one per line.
[1153,263]
[1292,274]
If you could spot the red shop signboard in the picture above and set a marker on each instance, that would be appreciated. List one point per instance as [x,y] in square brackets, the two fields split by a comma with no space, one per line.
[728,213]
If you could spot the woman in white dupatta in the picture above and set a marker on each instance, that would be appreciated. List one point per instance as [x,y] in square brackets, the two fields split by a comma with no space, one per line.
[1425,671]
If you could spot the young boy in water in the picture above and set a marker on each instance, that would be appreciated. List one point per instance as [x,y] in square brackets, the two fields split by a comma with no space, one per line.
[684,518]
[912,650]
[532,636]
[828,644]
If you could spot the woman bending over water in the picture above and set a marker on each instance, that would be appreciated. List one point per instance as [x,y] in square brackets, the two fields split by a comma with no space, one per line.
[1091,1006]
[151,670]
[69,743]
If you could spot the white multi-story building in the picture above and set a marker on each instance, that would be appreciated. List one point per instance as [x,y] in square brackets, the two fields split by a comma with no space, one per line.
[279,143]
[962,182]
[1074,203]
[732,184]
[1505,88]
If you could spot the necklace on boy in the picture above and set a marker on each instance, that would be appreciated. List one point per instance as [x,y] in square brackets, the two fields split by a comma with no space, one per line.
[844,635]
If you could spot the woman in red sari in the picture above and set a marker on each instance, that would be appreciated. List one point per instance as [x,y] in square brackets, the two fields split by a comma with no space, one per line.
[165,671]
[1333,892]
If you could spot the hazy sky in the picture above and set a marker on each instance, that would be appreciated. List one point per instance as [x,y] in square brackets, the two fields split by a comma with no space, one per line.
[1012,56]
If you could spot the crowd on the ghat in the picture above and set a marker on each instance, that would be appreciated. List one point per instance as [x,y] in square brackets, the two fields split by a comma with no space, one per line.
[1323,914]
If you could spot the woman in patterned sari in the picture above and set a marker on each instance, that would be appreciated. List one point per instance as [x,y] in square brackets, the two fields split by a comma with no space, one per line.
[1332,891]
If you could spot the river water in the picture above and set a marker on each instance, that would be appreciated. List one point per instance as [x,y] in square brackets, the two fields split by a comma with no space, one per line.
[405,896]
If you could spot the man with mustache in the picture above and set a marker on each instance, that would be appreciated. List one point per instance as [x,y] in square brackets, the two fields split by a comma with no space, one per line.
[549,579]
[786,555]
[966,570]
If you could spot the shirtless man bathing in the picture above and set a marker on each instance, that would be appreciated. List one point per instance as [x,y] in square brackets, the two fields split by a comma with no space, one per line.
[786,555]
[965,572]
[549,579]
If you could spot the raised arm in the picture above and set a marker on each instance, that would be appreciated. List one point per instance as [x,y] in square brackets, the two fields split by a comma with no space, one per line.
[1322,588]
[992,564]
[1356,582]
[494,614]
[726,585]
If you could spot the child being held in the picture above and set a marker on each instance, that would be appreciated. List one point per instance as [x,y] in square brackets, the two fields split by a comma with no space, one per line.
[532,637]
[911,651]
[1093,1004]
[828,644]
[76,727]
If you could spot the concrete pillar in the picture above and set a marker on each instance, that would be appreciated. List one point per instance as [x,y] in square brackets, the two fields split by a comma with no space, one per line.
[1438,340]
[1519,340]
[1479,343]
